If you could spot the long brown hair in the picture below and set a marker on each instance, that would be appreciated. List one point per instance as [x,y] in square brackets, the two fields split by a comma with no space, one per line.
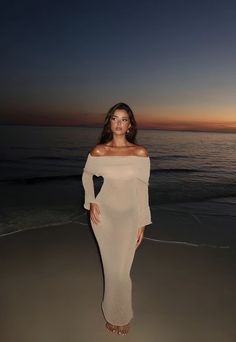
[107,134]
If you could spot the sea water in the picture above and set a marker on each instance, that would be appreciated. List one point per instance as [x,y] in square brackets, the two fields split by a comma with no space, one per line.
[41,167]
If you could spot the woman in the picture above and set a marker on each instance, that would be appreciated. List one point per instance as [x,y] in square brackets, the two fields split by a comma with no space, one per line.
[120,211]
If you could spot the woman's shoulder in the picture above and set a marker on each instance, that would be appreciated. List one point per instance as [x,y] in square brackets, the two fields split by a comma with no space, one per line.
[141,151]
[101,150]
[98,150]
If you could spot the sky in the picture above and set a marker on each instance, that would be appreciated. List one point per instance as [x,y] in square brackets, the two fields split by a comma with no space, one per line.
[68,62]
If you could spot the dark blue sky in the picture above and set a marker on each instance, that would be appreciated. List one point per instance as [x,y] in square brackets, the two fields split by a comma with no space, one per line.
[68,62]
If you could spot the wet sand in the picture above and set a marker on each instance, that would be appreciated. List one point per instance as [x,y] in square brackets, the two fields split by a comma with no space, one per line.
[51,287]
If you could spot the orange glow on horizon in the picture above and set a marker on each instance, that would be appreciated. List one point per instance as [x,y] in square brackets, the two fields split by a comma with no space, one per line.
[180,120]
[187,125]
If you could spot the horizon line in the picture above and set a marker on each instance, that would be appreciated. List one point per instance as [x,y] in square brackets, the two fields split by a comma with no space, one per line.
[141,128]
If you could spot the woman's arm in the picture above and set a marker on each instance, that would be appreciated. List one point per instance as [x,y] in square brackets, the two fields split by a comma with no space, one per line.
[144,212]
[90,201]
[89,196]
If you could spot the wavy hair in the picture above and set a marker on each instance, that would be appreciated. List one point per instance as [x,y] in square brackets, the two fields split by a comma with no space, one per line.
[107,134]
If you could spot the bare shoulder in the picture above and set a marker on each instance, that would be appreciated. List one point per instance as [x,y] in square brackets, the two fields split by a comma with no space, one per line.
[141,151]
[98,150]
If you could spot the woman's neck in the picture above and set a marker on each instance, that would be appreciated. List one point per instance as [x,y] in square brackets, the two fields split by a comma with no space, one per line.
[116,142]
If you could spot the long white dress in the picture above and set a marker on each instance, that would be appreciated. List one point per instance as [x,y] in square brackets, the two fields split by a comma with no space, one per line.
[124,205]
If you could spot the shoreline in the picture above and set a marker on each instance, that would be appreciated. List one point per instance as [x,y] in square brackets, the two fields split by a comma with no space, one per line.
[52,287]
[201,223]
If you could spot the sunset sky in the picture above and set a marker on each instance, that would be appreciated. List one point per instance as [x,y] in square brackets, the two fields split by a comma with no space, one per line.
[68,62]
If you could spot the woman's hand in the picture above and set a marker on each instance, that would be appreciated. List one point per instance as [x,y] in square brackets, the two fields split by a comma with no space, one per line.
[140,236]
[94,213]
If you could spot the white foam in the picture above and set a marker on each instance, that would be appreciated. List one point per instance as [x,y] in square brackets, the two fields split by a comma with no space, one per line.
[85,224]
[44,226]
[185,243]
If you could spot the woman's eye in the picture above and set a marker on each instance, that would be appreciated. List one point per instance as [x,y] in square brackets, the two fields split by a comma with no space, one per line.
[116,119]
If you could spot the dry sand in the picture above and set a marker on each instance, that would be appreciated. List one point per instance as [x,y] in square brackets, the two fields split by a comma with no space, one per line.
[51,289]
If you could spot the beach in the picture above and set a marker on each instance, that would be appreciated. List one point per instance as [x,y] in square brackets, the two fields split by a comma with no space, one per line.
[89,105]
[52,285]
[183,274]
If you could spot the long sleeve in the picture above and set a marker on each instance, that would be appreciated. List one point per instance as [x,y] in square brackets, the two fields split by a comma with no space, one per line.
[144,213]
[89,196]
[90,169]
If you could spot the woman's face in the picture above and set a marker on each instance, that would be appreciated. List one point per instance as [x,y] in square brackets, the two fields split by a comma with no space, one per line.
[120,122]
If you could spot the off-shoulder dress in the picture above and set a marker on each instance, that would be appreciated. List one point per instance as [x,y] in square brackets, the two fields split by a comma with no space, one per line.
[123,201]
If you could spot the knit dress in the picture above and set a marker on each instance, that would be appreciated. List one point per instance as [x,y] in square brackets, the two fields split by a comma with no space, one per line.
[123,201]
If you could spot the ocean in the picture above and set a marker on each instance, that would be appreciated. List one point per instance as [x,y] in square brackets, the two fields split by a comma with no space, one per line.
[41,167]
